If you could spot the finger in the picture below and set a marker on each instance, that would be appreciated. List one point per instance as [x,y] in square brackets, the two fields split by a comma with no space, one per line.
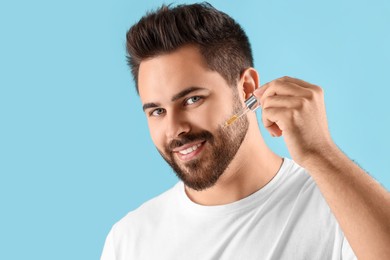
[260,91]
[273,120]
[275,115]
[303,84]
[283,102]
[296,81]
[274,130]
[282,88]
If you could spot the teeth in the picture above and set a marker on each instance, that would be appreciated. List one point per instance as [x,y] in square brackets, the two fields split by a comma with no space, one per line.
[190,149]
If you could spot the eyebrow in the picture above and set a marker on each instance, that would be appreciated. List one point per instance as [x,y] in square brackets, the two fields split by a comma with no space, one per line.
[149,105]
[177,96]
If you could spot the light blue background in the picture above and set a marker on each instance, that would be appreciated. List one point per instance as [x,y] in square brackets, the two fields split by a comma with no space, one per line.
[75,152]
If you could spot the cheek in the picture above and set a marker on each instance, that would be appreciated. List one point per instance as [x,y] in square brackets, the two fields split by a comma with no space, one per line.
[201,120]
[157,135]
[212,116]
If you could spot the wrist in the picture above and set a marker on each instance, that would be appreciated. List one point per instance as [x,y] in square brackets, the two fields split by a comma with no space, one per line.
[326,154]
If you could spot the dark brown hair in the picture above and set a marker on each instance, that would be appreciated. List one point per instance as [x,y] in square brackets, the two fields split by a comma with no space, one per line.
[221,41]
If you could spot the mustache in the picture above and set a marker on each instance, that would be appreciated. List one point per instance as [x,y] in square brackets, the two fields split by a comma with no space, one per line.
[188,138]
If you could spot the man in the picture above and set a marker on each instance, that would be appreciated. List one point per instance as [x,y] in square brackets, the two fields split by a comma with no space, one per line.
[236,199]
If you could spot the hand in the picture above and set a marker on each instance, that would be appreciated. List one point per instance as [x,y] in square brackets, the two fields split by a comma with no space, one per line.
[295,109]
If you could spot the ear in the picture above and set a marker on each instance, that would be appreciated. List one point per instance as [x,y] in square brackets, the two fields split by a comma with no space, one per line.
[249,81]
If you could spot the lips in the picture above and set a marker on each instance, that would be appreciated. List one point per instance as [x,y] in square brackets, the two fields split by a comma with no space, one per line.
[189,151]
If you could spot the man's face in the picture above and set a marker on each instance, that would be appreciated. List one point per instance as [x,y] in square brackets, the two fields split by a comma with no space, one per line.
[186,105]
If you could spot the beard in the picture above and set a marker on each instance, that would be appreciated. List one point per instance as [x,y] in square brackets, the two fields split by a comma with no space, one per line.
[220,149]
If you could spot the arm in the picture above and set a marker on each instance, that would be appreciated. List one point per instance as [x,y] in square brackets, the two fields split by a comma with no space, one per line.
[295,109]
[360,204]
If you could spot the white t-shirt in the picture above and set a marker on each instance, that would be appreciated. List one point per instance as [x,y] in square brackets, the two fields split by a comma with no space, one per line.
[286,219]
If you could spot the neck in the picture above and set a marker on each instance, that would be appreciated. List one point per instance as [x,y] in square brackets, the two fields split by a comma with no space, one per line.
[251,169]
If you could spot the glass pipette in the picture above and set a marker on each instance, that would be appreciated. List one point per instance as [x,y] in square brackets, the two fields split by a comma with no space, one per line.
[250,105]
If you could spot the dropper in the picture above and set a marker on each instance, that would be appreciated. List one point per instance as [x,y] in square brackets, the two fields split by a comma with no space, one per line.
[250,105]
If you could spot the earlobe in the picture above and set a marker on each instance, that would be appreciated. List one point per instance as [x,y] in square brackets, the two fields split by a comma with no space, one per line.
[250,81]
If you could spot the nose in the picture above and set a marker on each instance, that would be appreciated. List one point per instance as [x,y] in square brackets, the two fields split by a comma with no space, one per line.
[177,125]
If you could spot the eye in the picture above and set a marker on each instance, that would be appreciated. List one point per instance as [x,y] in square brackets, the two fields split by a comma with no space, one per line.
[157,112]
[192,100]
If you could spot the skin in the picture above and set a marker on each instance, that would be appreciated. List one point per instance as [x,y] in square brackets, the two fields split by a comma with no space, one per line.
[291,108]
[242,177]
[295,110]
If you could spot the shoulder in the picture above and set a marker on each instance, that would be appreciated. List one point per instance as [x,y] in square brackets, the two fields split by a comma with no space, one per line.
[139,225]
[293,175]
[297,180]
[148,214]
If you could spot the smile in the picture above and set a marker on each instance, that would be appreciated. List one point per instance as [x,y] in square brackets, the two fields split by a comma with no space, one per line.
[191,149]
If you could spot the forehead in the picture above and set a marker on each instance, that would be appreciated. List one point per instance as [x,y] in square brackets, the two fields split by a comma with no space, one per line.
[165,75]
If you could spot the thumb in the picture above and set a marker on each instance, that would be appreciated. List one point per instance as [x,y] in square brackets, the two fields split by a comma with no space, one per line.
[274,130]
